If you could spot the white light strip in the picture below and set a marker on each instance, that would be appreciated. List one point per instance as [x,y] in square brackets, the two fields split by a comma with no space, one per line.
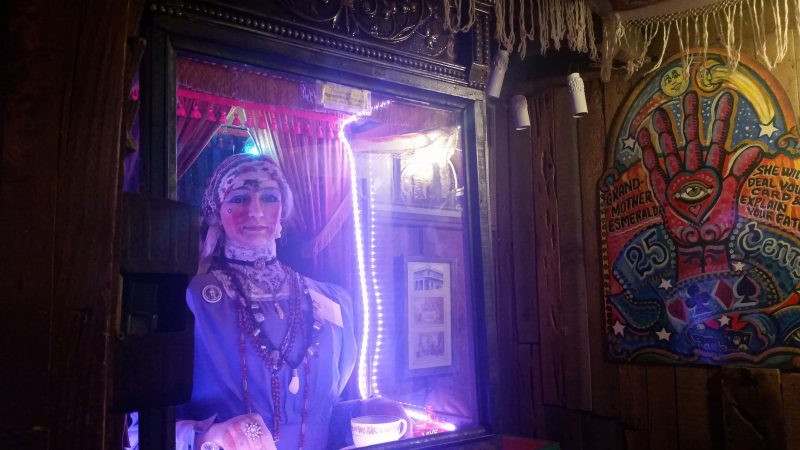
[363,387]
[363,383]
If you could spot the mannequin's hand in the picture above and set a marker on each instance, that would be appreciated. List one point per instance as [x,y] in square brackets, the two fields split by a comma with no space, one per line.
[245,432]
[698,203]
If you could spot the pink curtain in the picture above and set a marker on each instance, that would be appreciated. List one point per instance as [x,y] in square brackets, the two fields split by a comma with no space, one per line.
[197,121]
[317,168]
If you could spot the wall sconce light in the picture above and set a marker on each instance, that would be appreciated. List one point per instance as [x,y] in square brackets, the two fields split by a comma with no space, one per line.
[519,112]
[495,83]
[576,91]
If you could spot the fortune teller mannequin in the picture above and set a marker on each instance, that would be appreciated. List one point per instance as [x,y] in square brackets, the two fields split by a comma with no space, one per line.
[273,349]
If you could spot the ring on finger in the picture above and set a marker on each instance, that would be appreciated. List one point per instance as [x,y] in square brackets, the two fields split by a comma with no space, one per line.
[252,430]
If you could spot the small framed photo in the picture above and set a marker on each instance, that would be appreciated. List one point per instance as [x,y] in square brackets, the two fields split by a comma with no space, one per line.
[428,315]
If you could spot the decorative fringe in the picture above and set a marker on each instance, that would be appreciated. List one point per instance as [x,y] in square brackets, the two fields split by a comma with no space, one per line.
[555,20]
[687,21]
[452,16]
[628,35]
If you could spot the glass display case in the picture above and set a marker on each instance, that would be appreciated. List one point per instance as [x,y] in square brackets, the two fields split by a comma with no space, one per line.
[385,234]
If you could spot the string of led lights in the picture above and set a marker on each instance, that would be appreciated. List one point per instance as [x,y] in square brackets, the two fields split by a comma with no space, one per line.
[367,373]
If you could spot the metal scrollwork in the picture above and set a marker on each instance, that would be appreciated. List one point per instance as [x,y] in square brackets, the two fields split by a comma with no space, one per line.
[415,25]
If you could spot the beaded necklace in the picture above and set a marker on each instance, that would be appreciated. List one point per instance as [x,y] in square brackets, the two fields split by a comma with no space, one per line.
[276,357]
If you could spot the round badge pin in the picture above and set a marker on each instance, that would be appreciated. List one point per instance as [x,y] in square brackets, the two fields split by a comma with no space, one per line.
[212,294]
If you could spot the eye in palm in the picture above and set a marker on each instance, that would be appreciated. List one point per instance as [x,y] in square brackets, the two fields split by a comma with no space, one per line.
[698,203]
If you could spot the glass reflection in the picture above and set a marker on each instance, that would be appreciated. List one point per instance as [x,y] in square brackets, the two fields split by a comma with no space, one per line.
[375,235]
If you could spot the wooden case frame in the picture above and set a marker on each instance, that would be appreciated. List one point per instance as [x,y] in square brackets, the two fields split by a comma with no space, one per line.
[216,30]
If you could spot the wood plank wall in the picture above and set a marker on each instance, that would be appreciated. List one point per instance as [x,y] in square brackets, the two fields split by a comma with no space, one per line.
[63,87]
[562,387]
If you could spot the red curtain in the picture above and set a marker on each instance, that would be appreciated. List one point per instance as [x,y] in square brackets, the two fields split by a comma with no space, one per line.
[316,165]
[197,122]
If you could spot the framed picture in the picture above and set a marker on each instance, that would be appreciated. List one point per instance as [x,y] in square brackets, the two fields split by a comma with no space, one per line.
[428,315]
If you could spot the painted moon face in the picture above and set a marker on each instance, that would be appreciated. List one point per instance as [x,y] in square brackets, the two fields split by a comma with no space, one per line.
[674,82]
[704,77]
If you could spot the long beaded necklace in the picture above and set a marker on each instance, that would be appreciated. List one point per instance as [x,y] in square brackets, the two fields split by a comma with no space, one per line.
[276,357]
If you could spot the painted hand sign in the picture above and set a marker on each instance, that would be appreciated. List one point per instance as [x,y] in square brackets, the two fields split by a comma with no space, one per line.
[698,203]
[700,225]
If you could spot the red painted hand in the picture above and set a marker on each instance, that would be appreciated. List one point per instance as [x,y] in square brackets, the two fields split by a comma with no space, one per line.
[698,204]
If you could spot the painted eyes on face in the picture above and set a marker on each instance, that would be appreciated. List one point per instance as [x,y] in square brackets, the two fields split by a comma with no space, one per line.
[244,198]
[238,199]
[270,197]
[693,192]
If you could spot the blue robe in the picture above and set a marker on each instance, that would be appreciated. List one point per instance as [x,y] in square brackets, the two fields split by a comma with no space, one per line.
[217,389]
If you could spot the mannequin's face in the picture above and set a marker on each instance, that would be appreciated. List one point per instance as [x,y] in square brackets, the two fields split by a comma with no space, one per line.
[251,210]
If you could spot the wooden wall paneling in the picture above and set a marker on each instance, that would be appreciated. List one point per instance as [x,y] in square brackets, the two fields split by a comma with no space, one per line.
[526,302]
[526,390]
[36,37]
[790,395]
[591,148]
[692,399]
[564,426]
[614,94]
[37,439]
[548,265]
[134,51]
[752,409]
[86,277]
[60,160]
[636,439]
[573,307]
[633,407]
[601,433]
[537,389]
[786,73]
[508,402]
[663,420]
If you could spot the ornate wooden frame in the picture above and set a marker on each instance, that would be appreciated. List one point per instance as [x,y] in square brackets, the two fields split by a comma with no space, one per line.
[278,35]
[363,29]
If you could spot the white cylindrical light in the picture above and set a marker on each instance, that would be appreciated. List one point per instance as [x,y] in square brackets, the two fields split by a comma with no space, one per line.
[519,112]
[576,92]
[495,83]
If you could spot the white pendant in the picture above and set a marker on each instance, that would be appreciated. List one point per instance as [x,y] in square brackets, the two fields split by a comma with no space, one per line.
[294,385]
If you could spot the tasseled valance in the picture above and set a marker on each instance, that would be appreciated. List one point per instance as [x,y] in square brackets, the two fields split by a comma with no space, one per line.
[547,22]
[242,113]
[630,35]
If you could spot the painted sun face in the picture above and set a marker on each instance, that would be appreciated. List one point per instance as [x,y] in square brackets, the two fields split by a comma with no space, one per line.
[251,210]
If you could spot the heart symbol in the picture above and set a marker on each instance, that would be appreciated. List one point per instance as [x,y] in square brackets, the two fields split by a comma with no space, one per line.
[677,310]
[692,194]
